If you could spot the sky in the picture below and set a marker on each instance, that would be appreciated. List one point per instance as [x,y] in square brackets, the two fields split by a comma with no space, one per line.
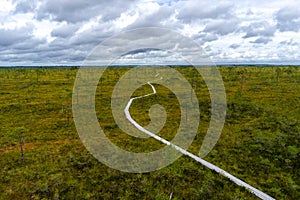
[64,32]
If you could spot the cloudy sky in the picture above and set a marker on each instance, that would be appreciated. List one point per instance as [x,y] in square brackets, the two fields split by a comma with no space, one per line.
[64,32]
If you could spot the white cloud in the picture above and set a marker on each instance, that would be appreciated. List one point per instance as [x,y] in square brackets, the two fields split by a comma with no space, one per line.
[6,6]
[288,18]
[198,10]
[65,31]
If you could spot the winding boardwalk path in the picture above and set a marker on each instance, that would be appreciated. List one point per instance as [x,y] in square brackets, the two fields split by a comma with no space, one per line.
[237,181]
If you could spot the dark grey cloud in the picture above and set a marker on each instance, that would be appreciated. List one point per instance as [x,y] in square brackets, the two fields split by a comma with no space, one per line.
[159,18]
[289,42]
[94,35]
[259,29]
[203,37]
[42,55]
[195,10]
[14,36]
[65,31]
[262,40]
[137,51]
[60,43]
[65,48]
[74,11]
[25,6]
[288,18]
[221,27]
[29,44]
[234,46]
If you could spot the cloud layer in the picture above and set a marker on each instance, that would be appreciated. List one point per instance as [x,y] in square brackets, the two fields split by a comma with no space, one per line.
[63,32]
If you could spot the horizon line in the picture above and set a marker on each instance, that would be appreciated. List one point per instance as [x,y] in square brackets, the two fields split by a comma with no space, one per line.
[134,65]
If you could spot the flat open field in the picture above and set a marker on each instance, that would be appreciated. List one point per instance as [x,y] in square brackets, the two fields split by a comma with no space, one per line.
[260,142]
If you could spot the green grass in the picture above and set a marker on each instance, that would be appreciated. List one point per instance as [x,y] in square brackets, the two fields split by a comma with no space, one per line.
[259,143]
